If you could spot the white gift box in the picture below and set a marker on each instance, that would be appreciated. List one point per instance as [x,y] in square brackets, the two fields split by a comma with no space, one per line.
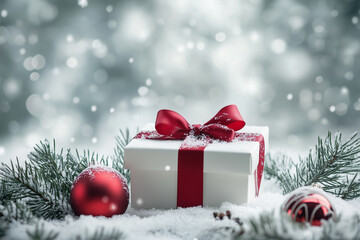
[228,170]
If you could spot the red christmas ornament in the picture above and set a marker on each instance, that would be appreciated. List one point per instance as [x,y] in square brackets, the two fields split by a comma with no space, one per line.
[310,206]
[99,191]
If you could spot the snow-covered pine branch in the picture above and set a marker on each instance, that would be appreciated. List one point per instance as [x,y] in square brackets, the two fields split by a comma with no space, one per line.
[39,232]
[277,224]
[334,165]
[118,159]
[40,187]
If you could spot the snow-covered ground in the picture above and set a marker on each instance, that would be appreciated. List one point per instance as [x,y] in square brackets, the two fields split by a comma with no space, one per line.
[190,223]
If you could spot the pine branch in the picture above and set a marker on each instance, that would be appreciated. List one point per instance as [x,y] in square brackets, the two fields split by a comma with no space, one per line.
[274,224]
[4,226]
[40,188]
[101,234]
[342,228]
[265,226]
[118,159]
[40,233]
[16,211]
[350,189]
[279,167]
[333,165]
[46,179]
[277,224]
[11,211]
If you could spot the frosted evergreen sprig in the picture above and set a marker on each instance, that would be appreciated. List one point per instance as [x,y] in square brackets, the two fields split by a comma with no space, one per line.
[102,234]
[12,210]
[333,164]
[39,232]
[118,159]
[277,224]
[45,180]
[41,186]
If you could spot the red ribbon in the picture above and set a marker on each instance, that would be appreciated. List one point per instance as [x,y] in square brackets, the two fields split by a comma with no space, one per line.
[222,126]
[172,126]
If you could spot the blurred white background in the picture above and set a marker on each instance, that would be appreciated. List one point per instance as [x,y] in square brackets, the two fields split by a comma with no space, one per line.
[78,73]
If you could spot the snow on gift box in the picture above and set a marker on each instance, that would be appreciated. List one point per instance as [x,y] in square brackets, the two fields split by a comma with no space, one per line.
[184,165]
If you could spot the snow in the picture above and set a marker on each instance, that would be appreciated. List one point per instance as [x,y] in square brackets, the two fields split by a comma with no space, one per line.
[187,223]
[101,168]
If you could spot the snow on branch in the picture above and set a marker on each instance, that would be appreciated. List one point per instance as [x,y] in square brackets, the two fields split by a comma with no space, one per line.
[333,165]
[40,188]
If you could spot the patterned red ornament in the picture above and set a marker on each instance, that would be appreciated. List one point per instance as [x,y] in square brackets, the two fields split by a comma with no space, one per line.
[307,205]
[99,191]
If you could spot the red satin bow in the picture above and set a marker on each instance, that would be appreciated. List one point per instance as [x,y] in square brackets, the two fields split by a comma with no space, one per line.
[222,126]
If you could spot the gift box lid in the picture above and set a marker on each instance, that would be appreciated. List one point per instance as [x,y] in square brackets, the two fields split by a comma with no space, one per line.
[239,157]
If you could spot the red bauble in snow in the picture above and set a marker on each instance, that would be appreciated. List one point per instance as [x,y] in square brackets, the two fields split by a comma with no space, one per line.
[307,205]
[99,191]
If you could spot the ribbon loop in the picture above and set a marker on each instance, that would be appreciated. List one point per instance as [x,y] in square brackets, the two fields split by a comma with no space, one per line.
[172,124]
[228,116]
[222,126]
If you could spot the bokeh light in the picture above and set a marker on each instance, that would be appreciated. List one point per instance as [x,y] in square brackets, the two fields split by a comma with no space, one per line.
[77,71]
